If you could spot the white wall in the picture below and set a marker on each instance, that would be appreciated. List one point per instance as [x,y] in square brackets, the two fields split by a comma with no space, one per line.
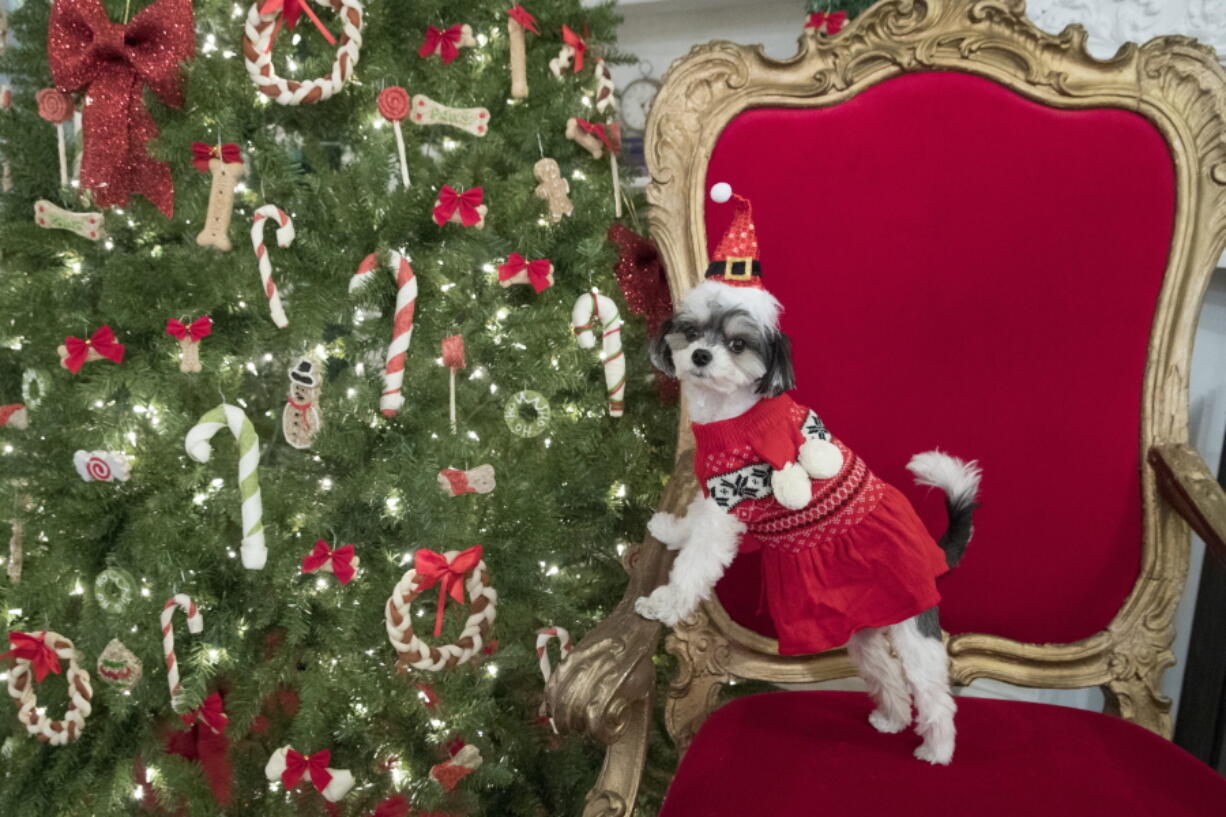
[660,31]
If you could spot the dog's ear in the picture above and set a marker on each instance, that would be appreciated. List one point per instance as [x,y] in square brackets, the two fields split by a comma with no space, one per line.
[661,352]
[778,376]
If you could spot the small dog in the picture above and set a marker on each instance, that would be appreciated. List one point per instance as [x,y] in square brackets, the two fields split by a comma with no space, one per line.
[845,558]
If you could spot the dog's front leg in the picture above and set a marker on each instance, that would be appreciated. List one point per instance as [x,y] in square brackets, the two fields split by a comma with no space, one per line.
[671,530]
[714,536]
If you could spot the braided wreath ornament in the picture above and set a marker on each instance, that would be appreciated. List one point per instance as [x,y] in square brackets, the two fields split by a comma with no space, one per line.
[80,693]
[483,601]
[258,33]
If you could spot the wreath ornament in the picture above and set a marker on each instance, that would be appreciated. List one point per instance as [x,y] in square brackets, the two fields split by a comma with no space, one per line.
[264,20]
[454,572]
[35,656]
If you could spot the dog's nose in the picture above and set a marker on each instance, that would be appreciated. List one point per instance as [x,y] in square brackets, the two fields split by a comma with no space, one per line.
[701,357]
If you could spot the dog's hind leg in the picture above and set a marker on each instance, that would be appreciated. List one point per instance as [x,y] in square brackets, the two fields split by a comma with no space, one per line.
[881,671]
[926,666]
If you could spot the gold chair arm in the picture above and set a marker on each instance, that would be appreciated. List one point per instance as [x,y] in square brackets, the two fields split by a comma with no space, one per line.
[1193,491]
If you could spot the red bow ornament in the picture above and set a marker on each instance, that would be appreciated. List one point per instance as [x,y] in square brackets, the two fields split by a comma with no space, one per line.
[522,16]
[434,568]
[34,649]
[202,154]
[75,352]
[211,713]
[199,329]
[297,765]
[576,42]
[832,21]
[609,135]
[446,42]
[205,742]
[112,64]
[341,562]
[519,270]
[469,204]
[290,11]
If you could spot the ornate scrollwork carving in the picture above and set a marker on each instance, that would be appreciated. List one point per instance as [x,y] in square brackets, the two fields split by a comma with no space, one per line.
[703,667]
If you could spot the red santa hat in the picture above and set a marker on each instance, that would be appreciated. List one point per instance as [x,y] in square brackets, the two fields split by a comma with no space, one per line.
[735,261]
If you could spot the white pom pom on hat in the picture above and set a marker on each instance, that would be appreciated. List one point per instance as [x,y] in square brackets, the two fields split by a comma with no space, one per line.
[721,192]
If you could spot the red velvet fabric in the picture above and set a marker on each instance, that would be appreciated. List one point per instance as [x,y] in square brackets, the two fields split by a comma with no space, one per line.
[800,754]
[965,268]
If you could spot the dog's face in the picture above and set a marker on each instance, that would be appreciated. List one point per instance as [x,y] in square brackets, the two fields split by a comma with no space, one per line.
[725,339]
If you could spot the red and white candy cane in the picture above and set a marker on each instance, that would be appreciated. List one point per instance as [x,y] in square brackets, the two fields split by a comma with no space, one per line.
[594,310]
[402,324]
[195,625]
[285,237]
[543,637]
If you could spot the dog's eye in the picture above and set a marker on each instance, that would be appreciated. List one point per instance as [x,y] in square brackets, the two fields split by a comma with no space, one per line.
[691,334]
[737,345]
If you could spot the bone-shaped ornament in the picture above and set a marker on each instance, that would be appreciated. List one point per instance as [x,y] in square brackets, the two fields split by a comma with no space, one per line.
[221,204]
[86,225]
[425,111]
[588,141]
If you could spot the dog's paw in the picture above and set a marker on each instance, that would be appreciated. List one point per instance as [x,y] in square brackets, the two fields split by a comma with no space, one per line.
[938,753]
[886,724]
[792,487]
[662,605]
[821,459]
[668,529]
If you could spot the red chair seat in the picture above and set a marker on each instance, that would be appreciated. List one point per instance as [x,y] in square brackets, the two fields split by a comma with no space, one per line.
[800,754]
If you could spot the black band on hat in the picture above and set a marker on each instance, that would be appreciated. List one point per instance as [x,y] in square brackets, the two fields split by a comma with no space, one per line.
[734,269]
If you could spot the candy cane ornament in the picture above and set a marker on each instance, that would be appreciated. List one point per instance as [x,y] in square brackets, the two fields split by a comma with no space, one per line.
[402,324]
[195,626]
[285,237]
[593,308]
[543,637]
[254,553]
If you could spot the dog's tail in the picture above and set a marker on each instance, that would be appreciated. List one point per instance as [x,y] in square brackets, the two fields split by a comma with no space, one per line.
[960,482]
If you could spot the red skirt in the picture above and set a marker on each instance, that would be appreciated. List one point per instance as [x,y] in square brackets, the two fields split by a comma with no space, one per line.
[880,571]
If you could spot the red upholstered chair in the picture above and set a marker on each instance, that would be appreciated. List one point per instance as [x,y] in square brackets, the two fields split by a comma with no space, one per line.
[989,242]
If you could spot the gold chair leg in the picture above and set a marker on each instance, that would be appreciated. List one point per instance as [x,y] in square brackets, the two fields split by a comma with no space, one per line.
[617,786]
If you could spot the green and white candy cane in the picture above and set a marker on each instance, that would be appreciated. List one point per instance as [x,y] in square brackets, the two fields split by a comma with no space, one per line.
[254,553]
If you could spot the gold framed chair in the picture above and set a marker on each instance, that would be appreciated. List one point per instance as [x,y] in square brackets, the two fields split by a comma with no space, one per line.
[1093,193]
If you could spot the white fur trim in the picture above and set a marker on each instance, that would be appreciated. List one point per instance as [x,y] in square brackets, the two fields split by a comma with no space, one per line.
[822,459]
[721,192]
[792,487]
[957,478]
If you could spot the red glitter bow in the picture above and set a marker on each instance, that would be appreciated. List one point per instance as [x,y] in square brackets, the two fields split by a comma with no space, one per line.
[521,15]
[433,568]
[833,21]
[609,135]
[297,765]
[113,63]
[538,270]
[396,806]
[34,649]
[445,42]
[200,328]
[291,10]
[202,153]
[211,713]
[467,203]
[103,342]
[576,42]
[340,559]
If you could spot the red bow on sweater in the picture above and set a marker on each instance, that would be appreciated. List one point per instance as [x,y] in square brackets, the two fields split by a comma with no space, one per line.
[291,10]
[103,342]
[211,713]
[833,21]
[609,135]
[341,561]
[538,270]
[576,42]
[202,153]
[445,42]
[113,63]
[297,765]
[467,203]
[433,568]
[521,15]
[200,328]
[34,649]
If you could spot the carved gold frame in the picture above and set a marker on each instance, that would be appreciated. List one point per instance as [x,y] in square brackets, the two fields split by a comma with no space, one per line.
[604,688]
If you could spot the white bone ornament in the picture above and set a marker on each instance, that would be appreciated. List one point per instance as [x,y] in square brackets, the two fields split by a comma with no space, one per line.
[86,225]
[221,204]
[425,111]
[342,779]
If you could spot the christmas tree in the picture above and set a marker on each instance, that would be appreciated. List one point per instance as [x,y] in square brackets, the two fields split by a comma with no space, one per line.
[157,512]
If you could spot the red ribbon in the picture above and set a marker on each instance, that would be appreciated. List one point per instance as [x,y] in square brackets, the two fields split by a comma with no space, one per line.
[102,342]
[202,153]
[200,328]
[521,15]
[34,649]
[576,42]
[538,270]
[211,713]
[341,560]
[467,203]
[297,765]
[609,135]
[112,64]
[433,568]
[291,10]
[833,21]
[444,42]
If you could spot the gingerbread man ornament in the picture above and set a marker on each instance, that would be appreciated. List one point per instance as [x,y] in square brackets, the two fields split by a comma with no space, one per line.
[553,189]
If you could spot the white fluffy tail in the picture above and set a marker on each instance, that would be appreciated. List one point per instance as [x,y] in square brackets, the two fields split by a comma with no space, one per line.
[959,479]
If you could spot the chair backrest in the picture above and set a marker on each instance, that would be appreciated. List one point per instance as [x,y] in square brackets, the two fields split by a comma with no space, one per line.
[989,242]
